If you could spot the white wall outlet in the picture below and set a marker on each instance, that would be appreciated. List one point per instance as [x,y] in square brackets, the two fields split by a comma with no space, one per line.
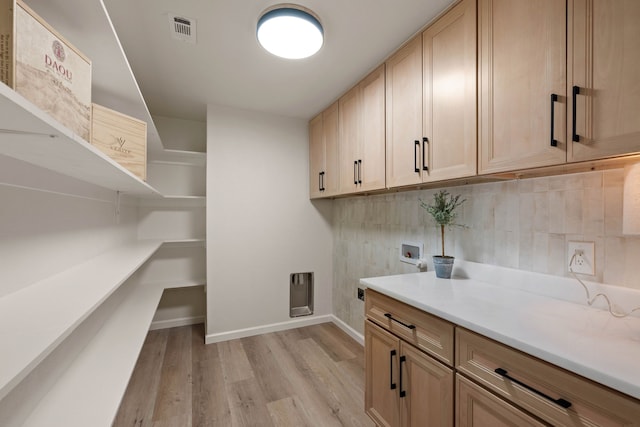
[584,261]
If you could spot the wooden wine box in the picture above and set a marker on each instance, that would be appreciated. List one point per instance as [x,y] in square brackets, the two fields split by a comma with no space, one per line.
[121,137]
[42,66]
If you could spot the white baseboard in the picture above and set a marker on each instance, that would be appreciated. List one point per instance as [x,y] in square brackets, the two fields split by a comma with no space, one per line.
[174,323]
[283,326]
[264,329]
[348,329]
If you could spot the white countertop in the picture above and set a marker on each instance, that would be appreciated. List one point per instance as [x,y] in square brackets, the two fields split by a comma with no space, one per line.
[544,316]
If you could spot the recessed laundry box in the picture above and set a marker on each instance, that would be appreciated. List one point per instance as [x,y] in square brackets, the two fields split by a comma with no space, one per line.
[300,294]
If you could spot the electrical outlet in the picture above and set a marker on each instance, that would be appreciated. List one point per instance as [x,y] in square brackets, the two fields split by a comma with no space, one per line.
[361,294]
[581,257]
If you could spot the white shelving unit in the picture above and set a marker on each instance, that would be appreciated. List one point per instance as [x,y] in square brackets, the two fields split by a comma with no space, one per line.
[48,311]
[27,133]
[90,391]
[96,310]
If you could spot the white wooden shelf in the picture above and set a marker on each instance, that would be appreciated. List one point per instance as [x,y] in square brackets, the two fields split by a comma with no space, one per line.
[184,242]
[90,391]
[36,319]
[27,133]
[176,284]
[192,158]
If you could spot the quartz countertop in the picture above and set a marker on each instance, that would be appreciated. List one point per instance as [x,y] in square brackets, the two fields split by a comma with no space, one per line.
[544,316]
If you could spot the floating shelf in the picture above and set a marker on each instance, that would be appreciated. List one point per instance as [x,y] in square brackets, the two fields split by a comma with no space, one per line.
[36,319]
[29,134]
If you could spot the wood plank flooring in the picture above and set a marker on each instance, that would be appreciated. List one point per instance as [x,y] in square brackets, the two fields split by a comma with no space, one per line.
[311,376]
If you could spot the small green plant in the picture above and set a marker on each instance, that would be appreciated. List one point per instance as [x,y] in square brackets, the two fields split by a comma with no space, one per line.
[443,211]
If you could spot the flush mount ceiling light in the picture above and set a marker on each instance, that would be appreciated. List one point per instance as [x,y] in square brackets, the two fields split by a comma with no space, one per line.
[290,31]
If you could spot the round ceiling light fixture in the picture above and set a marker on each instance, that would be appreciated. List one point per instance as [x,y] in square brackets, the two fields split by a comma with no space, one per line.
[290,31]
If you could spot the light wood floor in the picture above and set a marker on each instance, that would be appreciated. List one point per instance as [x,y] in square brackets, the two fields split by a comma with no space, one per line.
[312,376]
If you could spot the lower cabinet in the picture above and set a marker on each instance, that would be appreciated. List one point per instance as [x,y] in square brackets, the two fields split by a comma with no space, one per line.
[477,407]
[404,386]
[410,383]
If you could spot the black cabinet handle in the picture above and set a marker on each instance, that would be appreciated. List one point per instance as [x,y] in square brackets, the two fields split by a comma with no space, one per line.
[355,172]
[416,147]
[359,171]
[575,136]
[403,359]
[561,402]
[554,99]
[319,181]
[390,316]
[425,141]
[392,385]
[322,188]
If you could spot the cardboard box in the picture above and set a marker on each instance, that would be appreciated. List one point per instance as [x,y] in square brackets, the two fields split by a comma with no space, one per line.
[122,138]
[42,66]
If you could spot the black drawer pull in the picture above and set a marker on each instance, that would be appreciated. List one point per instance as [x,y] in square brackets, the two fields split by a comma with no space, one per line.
[561,402]
[574,134]
[554,99]
[390,316]
[392,385]
[416,148]
[403,359]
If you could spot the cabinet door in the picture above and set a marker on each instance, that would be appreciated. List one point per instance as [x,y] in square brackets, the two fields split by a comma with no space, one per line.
[428,389]
[372,144]
[348,112]
[450,94]
[604,63]
[316,156]
[381,379]
[476,407]
[522,62]
[404,115]
[330,138]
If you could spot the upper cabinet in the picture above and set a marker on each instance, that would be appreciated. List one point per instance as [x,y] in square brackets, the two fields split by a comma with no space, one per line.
[521,66]
[361,149]
[431,102]
[449,123]
[604,94]
[323,153]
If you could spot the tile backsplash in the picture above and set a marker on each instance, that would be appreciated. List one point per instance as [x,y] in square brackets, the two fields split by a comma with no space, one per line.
[523,224]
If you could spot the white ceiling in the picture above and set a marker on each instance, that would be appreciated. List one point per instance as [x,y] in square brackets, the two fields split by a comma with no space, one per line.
[227,66]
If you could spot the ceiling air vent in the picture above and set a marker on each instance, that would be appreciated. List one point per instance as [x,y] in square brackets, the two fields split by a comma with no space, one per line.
[182,28]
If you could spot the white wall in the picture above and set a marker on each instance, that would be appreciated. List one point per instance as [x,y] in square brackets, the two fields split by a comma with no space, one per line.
[50,222]
[180,134]
[261,225]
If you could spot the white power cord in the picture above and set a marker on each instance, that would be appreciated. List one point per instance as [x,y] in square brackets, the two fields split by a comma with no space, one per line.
[590,300]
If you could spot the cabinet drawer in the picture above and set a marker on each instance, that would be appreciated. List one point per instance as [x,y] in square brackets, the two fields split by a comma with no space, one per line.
[476,407]
[538,386]
[427,332]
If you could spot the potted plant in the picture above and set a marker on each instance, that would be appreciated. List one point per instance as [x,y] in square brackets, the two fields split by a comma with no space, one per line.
[443,211]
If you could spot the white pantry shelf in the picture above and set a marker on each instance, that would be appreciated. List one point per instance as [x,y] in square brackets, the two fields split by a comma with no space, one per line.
[27,133]
[184,242]
[193,158]
[176,284]
[36,319]
[90,391]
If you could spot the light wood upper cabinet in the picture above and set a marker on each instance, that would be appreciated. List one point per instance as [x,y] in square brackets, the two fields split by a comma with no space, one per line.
[323,153]
[404,115]
[431,102]
[449,59]
[604,64]
[362,135]
[521,63]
